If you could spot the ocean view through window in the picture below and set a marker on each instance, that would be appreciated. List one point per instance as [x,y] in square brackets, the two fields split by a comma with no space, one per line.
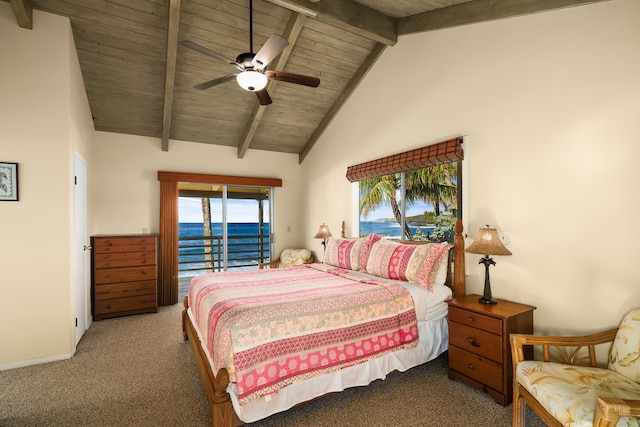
[222,228]
[415,205]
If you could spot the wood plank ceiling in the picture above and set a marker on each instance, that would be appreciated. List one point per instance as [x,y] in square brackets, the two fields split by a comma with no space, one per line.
[139,79]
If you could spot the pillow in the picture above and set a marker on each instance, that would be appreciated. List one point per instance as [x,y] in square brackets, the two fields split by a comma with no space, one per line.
[366,249]
[421,264]
[343,253]
[351,254]
[291,257]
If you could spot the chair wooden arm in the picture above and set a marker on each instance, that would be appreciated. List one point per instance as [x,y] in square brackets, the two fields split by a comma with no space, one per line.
[560,343]
[272,264]
[610,409]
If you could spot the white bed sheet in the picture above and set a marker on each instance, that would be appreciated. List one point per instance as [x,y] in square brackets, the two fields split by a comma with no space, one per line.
[429,304]
[431,312]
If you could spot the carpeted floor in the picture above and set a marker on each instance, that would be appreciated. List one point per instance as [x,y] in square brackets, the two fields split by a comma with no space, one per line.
[137,371]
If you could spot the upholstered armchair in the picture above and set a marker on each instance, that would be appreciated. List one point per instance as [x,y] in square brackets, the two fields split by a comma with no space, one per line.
[564,392]
[289,258]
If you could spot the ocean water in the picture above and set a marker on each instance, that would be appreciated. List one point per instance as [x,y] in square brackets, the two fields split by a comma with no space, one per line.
[391,229]
[245,250]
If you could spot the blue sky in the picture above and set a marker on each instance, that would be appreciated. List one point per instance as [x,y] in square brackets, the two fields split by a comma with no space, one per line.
[190,210]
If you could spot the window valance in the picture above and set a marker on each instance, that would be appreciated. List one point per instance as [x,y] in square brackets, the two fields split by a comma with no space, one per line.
[436,154]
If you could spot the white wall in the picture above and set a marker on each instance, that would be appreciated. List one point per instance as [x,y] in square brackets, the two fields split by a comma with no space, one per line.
[44,118]
[550,105]
[126,190]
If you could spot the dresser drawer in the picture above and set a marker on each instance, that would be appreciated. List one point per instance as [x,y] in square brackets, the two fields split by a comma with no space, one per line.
[119,290]
[473,319]
[141,247]
[124,259]
[476,367]
[124,274]
[101,243]
[476,341]
[116,305]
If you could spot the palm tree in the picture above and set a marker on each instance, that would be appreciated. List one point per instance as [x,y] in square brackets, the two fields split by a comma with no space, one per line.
[375,192]
[433,185]
[206,217]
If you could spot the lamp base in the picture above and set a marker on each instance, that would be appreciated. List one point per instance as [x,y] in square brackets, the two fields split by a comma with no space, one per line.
[484,300]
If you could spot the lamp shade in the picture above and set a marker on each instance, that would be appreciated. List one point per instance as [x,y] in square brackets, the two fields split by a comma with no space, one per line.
[252,81]
[488,242]
[323,232]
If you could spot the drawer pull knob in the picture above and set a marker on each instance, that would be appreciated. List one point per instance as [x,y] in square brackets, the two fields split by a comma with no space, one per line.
[472,319]
[471,366]
[473,342]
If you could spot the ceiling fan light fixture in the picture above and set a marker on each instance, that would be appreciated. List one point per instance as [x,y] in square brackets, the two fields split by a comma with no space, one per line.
[252,81]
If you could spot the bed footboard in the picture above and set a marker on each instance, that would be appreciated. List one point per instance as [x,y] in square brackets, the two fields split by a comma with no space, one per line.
[215,386]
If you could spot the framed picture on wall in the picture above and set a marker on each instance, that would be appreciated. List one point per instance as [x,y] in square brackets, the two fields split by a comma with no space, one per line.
[8,181]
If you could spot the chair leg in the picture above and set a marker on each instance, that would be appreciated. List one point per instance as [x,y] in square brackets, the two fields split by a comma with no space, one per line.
[519,407]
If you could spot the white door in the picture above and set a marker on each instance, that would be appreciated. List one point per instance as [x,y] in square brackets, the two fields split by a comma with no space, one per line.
[80,244]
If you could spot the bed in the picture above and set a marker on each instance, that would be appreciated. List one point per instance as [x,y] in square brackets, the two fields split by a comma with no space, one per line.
[267,340]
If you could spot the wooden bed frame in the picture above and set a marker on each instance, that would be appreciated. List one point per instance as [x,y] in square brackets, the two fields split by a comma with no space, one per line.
[215,385]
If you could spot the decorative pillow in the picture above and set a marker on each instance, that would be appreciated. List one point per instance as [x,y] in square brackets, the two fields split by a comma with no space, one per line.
[624,356]
[412,263]
[351,254]
[291,257]
[343,253]
[366,249]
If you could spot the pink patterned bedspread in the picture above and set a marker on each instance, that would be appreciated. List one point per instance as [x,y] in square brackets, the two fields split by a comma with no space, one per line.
[271,328]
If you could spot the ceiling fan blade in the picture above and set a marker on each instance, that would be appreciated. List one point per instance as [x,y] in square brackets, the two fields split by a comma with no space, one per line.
[281,76]
[263,97]
[209,52]
[215,82]
[272,48]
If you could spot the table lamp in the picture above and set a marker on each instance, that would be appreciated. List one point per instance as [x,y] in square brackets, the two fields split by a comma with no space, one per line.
[487,243]
[323,233]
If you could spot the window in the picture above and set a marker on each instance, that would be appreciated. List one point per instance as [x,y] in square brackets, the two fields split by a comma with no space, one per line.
[412,195]
[415,205]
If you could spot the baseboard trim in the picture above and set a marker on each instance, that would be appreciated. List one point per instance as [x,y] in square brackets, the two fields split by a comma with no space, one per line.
[30,362]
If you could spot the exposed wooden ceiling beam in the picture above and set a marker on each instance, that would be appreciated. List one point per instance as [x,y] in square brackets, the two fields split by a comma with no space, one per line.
[479,11]
[24,13]
[291,33]
[343,97]
[170,70]
[348,15]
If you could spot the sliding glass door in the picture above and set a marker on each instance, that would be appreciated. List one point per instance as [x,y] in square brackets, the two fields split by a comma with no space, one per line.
[221,228]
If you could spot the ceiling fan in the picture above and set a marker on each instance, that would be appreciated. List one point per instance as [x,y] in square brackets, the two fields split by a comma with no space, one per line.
[253,75]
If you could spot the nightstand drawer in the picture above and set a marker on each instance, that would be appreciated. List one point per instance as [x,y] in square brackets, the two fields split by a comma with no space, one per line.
[476,341]
[476,367]
[470,318]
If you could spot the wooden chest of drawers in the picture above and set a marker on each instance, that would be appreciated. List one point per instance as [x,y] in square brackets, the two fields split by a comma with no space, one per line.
[123,275]
[479,349]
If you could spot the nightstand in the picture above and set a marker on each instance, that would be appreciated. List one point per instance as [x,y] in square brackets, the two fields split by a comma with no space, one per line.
[479,349]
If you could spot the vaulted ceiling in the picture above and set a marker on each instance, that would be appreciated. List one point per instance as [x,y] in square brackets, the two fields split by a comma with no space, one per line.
[140,79]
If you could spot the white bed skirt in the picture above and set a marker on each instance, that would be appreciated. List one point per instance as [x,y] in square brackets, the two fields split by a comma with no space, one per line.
[353,376]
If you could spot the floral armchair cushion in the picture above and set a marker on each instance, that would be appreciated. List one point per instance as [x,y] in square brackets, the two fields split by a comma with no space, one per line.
[291,257]
[569,392]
